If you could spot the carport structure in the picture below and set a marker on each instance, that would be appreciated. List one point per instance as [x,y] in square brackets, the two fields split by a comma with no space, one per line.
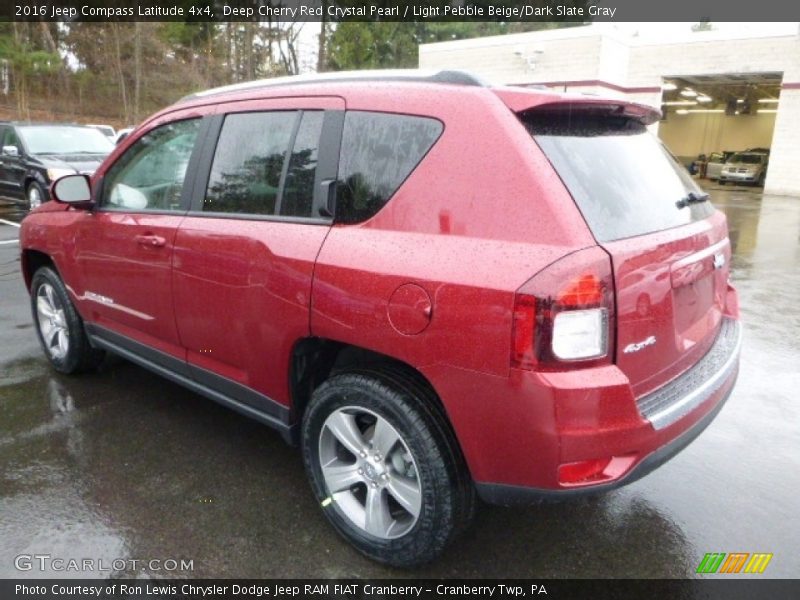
[599,59]
[732,112]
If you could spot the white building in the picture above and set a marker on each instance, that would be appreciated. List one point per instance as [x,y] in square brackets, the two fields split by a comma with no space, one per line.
[720,90]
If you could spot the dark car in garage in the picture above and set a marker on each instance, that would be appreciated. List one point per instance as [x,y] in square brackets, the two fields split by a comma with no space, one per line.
[33,155]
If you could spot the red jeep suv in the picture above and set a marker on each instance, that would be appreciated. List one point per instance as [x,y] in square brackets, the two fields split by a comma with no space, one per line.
[440,290]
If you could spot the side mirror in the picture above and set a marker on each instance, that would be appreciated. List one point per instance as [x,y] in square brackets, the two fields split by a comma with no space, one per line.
[73,189]
[10,151]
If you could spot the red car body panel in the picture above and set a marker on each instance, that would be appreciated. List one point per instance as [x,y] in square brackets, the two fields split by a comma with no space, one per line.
[430,280]
[667,287]
[116,260]
[558,418]
[500,216]
[243,289]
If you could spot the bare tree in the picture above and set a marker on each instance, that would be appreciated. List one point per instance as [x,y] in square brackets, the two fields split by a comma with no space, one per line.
[323,38]
[123,87]
[137,69]
[288,47]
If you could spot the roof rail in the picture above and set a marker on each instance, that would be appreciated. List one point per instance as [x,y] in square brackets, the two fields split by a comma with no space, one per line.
[452,77]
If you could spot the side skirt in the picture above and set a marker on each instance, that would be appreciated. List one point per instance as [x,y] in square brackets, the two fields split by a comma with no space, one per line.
[228,393]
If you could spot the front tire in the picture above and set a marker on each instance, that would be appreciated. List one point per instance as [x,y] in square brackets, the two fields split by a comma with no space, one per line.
[35,195]
[59,326]
[384,467]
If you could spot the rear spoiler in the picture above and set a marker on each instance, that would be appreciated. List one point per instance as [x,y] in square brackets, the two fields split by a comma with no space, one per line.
[531,102]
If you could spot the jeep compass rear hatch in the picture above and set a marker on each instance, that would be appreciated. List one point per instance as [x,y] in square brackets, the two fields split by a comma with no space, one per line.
[668,246]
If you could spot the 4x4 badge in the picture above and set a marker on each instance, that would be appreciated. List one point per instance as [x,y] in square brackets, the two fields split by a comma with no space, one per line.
[636,346]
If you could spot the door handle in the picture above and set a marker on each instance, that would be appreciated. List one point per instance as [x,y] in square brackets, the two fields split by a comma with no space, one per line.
[153,241]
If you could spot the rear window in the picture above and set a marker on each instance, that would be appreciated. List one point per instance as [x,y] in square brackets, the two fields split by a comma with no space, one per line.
[622,178]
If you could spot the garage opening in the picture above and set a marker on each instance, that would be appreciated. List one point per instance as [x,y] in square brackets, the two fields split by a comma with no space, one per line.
[721,126]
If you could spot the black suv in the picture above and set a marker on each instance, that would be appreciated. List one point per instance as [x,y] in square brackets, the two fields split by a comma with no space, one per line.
[33,155]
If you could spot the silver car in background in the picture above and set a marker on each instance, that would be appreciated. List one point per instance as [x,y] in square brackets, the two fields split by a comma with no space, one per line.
[745,167]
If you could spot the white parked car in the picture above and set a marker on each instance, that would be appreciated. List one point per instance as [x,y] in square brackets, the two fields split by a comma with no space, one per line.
[745,167]
[716,160]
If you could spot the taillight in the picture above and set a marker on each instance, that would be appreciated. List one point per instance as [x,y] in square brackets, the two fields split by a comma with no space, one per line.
[563,316]
[522,354]
[580,334]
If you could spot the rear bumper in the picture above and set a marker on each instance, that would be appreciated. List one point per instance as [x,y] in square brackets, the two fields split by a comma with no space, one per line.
[519,433]
[670,403]
[510,495]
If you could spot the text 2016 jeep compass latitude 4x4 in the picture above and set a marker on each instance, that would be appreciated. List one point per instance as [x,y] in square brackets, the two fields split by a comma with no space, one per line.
[436,287]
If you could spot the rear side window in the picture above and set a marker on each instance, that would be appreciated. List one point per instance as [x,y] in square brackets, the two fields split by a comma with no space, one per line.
[246,174]
[622,178]
[379,151]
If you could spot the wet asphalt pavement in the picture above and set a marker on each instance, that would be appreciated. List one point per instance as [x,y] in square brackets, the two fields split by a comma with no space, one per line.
[123,464]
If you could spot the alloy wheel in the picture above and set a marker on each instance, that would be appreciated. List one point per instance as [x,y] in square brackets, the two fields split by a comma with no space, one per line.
[52,321]
[369,472]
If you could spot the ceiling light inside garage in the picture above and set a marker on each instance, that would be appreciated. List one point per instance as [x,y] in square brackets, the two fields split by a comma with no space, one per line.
[707,110]
[768,100]
[680,103]
[682,111]
[669,87]
[688,93]
[767,110]
[704,99]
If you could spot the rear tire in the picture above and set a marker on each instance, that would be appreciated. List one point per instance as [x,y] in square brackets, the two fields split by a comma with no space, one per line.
[59,326]
[403,506]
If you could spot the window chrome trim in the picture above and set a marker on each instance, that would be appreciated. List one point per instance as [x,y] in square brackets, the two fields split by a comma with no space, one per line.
[257,217]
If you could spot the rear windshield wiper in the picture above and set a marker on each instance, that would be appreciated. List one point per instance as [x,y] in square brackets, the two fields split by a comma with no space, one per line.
[691,198]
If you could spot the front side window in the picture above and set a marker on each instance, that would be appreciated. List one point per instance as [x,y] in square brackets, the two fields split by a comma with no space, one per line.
[9,138]
[246,173]
[151,173]
[379,151]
